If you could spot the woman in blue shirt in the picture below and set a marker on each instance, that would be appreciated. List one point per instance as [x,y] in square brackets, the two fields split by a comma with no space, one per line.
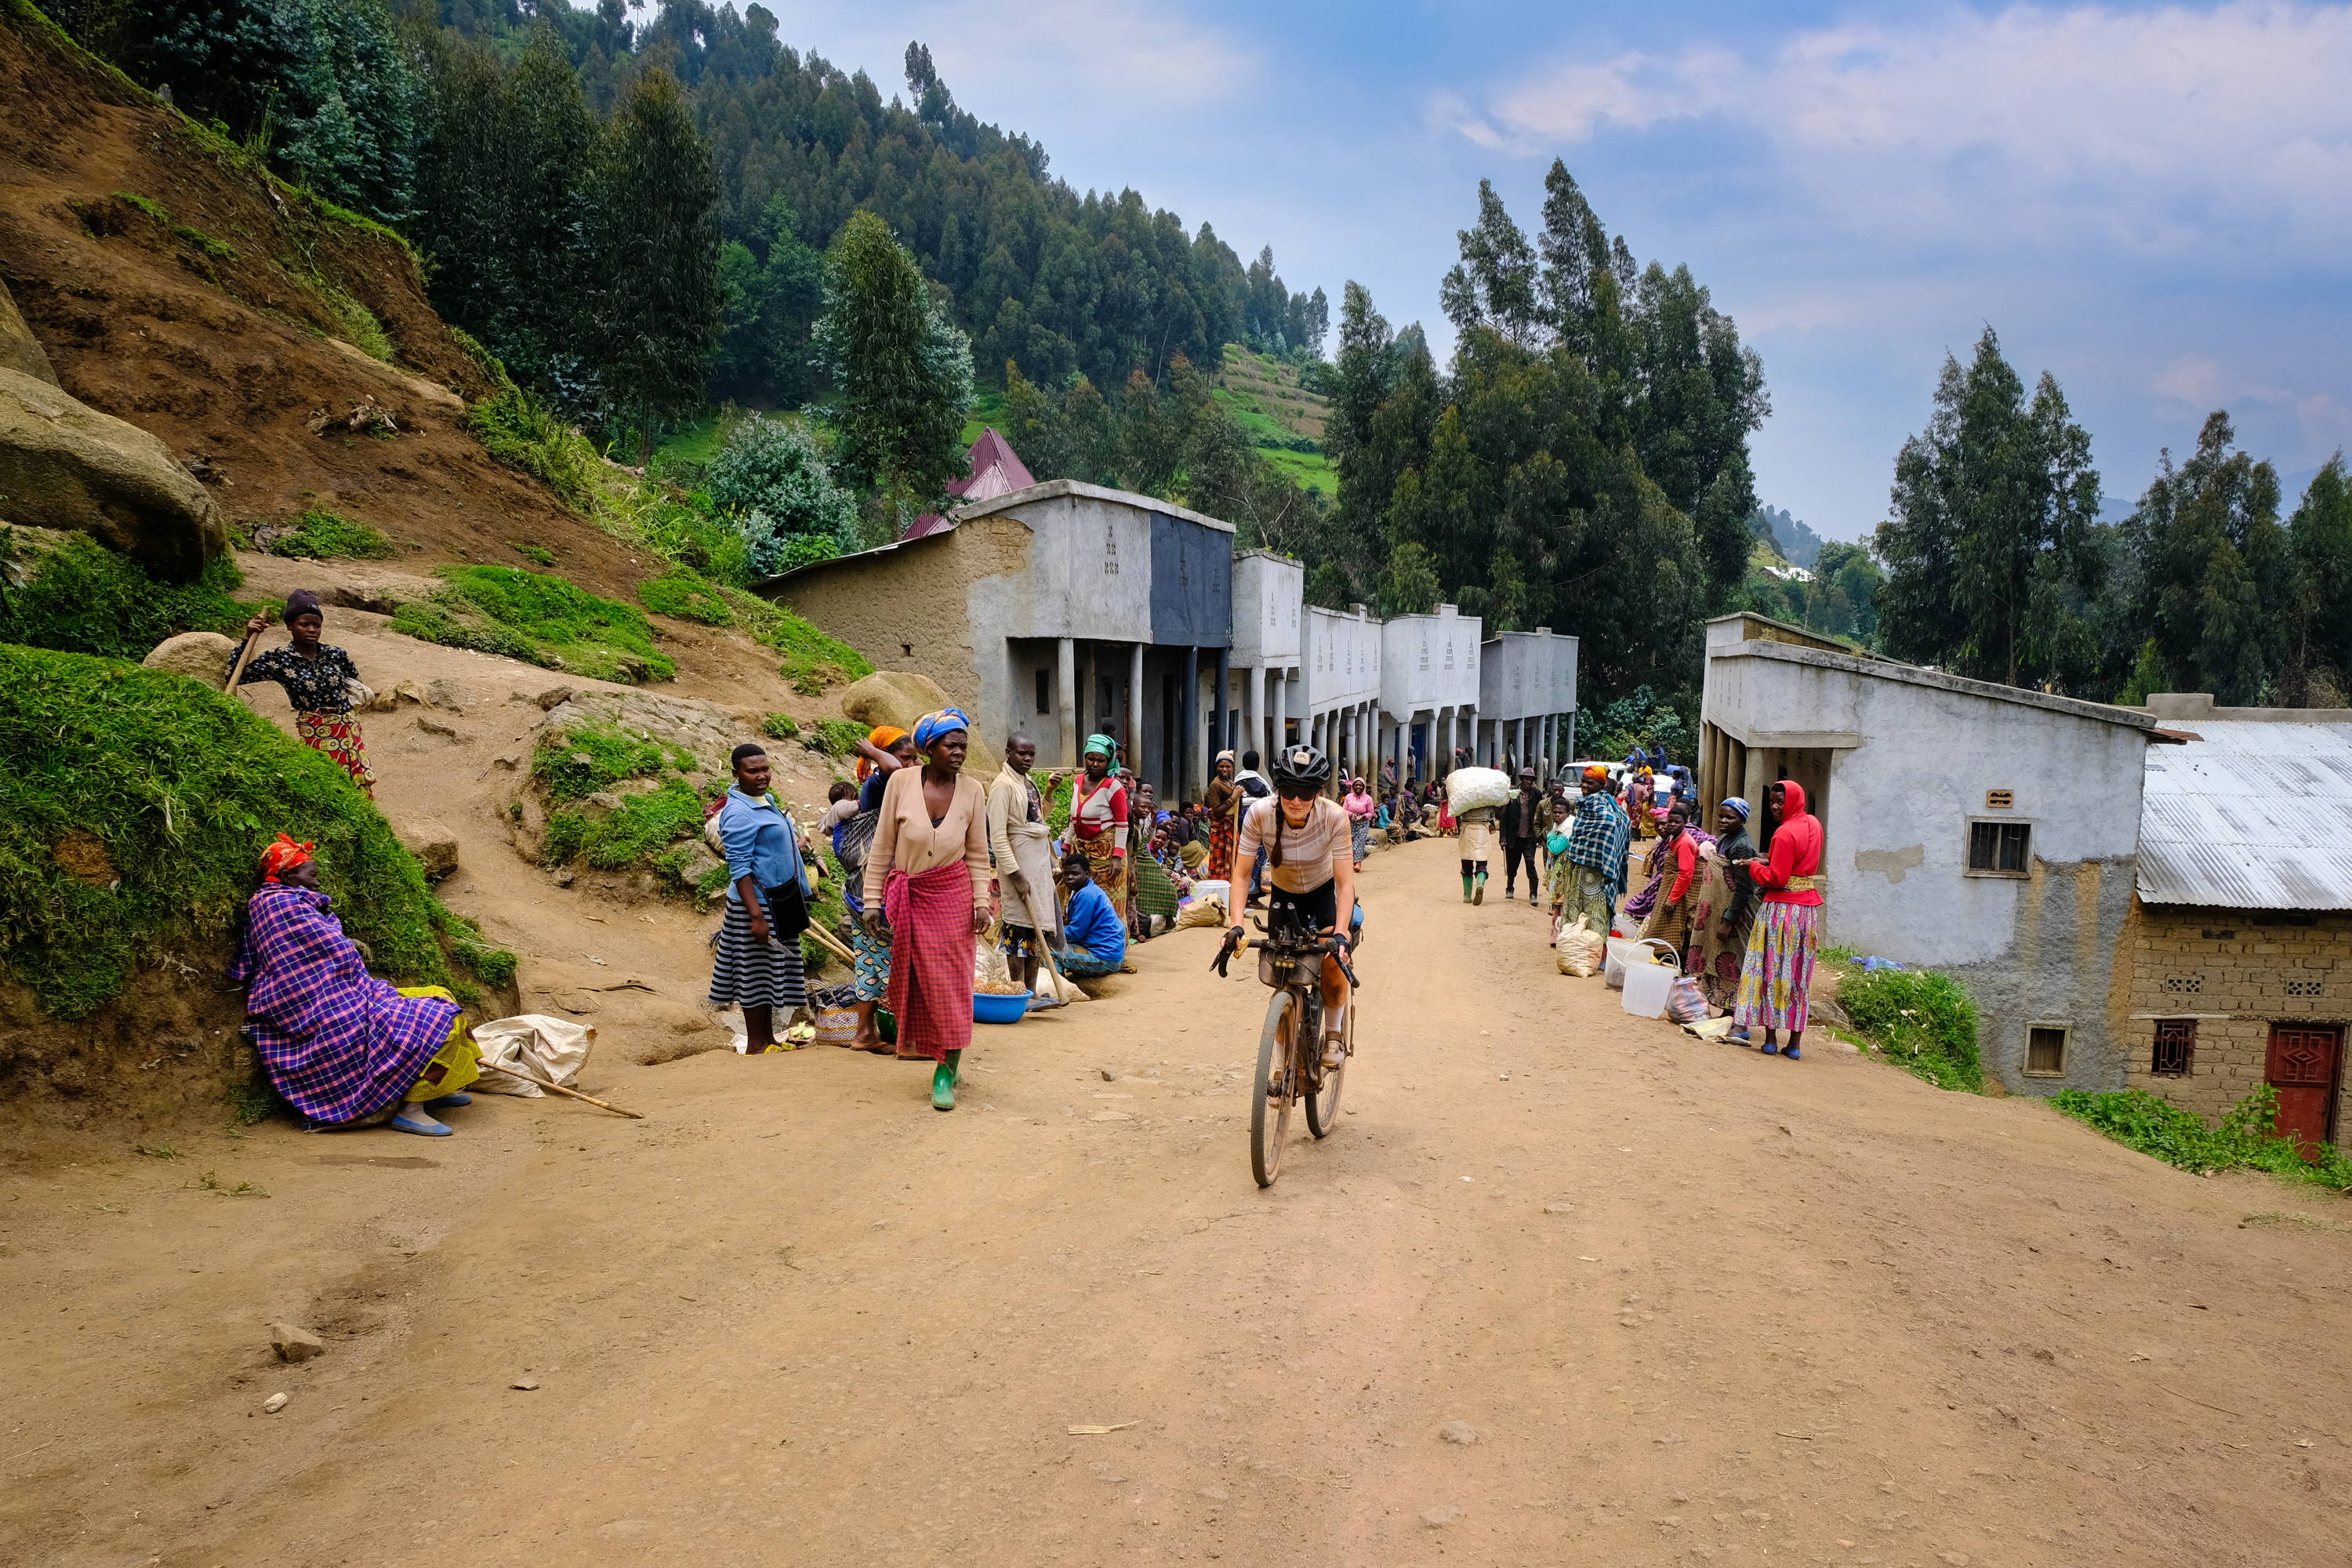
[755,970]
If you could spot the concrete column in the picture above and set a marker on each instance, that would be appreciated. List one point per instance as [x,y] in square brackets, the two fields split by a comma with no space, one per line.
[1065,676]
[1135,712]
[1217,723]
[1543,769]
[1186,763]
[1280,702]
[1252,711]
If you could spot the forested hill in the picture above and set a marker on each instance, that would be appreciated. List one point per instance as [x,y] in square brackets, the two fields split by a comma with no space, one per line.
[1059,280]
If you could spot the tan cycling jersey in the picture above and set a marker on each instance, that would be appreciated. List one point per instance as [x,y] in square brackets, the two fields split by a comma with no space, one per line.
[1309,854]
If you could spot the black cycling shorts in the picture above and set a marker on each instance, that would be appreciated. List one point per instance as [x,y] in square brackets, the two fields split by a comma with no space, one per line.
[1317,910]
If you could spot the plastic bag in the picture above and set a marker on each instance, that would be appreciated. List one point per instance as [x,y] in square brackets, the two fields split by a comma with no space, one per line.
[1686,1003]
[1467,789]
[991,975]
[1580,949]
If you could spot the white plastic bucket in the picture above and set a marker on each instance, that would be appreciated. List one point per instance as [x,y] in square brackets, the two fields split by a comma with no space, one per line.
[1647,986]
[1213,887]
[1621,952]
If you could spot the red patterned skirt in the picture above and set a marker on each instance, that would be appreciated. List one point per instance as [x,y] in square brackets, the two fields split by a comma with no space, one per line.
[931,952]
[337,735]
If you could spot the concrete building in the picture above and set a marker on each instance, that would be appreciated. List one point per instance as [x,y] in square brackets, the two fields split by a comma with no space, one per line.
[1429,689]
[1063,609]
[1527,702]
[2240,953]
[1264,691]
[1982,830]
[1343,687]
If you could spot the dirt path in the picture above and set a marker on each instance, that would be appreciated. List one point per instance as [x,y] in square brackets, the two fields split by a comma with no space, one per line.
[1697,1305]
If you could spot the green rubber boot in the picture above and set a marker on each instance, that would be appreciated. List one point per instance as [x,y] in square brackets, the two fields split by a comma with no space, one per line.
[1466,889]
[1479,896]
[943,1082]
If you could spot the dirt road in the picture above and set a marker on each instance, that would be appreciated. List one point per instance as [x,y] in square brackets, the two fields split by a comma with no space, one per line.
[1689,1304]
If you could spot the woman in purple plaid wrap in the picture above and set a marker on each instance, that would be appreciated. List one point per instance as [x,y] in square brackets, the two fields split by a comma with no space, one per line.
[343,1047]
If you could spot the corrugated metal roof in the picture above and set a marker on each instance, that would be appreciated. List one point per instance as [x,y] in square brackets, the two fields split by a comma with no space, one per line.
[2250,815]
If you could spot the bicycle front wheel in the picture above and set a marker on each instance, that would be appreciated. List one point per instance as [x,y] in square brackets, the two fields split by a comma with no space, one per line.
[1323,1101]
[1278,1086]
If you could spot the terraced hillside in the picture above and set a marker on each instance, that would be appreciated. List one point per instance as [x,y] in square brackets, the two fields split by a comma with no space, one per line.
[1284,419]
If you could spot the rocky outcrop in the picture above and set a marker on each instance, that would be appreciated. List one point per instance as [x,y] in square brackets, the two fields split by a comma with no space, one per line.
[199,656]
[705,729]
[893,696]
[19,350]
[65,464]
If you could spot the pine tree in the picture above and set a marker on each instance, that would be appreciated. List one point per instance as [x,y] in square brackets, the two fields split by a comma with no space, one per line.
[2216,568]
[2320,653]
[659,307]
[903,370]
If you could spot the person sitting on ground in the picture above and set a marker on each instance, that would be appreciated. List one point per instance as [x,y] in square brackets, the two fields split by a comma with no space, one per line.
[318,678]
[1096,936]
[757,967]
[1190,839]
[344,1047]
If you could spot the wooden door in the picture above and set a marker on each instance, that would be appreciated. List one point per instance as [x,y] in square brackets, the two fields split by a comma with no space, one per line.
[2302,1068]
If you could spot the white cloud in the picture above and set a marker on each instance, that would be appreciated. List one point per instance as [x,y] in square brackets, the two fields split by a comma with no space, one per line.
[2160,132]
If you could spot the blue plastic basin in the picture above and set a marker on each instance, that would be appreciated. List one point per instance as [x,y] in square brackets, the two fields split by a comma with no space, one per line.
[988,1009]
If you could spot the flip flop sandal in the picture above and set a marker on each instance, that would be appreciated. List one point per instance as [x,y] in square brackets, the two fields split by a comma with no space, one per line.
[402,1124]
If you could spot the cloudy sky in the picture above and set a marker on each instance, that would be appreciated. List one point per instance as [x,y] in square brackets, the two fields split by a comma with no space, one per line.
[2152,202]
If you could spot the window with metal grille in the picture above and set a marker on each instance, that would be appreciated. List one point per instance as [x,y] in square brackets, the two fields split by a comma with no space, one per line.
[2184,984]
[2045,1051]
[2000,848]
[2176,1048]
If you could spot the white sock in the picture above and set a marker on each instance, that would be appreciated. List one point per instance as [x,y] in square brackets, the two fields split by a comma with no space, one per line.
[1335,1022]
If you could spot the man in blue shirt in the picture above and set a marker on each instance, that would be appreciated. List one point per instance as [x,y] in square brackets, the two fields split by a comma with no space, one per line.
[1095,934]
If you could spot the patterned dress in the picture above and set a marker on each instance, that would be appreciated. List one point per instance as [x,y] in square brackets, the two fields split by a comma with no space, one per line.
[320,690]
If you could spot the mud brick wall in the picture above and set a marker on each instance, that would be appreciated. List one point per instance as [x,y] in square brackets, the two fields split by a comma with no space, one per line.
[2235,978]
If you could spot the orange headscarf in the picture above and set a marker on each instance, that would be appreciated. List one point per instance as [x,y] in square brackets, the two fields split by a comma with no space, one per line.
[283,855]
[881,739]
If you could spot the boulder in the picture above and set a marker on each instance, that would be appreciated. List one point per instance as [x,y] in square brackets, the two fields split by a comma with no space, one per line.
[893,696]
[199,656]
[435,847]
[444,692]
[19,350]
[65,464]
[384,592]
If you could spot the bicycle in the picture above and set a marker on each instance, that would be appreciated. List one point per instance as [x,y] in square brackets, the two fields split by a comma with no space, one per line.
[1289,1049]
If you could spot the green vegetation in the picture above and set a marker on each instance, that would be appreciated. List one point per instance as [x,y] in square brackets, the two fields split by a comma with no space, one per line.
[521,432]
[1307,470]
[536,554]
[69,593]
[987,409]
[779,727]
[321,535]
[594,756]
[151,207]
[649,830]
[902,366]
[682,594]
[361,329]
[835,737]
[812,661]
[633,835]
[539,617]
[1923,1022]
[133,809]
[2247,1138]
[219,249]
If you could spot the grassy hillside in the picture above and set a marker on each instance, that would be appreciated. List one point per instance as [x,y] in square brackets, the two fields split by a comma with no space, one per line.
[1284,420]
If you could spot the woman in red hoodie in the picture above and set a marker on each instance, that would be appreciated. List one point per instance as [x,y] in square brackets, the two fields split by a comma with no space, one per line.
[1778,971]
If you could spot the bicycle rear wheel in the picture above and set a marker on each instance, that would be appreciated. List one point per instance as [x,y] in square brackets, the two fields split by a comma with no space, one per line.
[1277,1081]
[1323,1102]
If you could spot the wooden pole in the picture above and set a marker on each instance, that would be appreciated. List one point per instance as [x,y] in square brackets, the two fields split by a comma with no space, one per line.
[574,1093]
[251,646]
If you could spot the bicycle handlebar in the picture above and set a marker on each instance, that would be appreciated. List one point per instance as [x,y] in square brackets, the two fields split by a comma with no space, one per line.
[1330,947]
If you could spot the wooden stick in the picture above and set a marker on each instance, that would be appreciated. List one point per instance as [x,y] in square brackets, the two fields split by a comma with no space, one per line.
[558,1088]
[251,646]
[832,944]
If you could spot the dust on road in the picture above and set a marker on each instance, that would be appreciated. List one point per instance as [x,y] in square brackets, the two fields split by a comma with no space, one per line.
[1566,1287]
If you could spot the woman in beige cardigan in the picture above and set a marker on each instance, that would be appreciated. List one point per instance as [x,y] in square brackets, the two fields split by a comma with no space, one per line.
[925,905]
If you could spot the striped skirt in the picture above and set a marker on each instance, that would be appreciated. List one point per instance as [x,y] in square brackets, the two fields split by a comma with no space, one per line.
[749,974]
[1777,976]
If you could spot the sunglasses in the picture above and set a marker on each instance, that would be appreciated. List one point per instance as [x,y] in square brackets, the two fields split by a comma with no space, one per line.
[1296,791]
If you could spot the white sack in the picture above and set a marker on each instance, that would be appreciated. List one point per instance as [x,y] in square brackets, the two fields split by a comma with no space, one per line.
[519,1054]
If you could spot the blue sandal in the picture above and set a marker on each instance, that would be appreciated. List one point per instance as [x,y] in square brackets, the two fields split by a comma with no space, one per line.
[1770,1049]
[449,1101]
[402,1124]
[1792,1053]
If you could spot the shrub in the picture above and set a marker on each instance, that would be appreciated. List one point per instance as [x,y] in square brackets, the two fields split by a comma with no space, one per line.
[162,796]
[522,433]
[69,593]
[836,737]
[2247,1137]
[773,467]
[779,727]
[537,617]
[321,535]
[1923,1022]
[577,763]
[682,594]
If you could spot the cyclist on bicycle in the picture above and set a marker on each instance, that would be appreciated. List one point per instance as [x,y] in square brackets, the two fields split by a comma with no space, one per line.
[1311,856]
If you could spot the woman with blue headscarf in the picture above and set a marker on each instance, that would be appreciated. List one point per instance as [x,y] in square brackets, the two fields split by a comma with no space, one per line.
[1723,907]
[927,895]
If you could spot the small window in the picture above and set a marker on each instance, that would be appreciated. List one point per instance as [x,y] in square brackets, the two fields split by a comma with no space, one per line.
[2000,799]
[2184,984]
[2000,848]
[2176,1048]
[2305,988]
[2045,1051]
[1045,692]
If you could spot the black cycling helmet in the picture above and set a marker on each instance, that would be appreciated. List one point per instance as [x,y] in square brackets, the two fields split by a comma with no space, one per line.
[1301,768]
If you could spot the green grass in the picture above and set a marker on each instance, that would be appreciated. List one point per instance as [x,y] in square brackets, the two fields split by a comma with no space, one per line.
[682,594]
[147,204]
[359,327]
[838,737]
[630,837]
[522,433]
[1307,470]
[987,409]
[687,451]
[181,788]
[75,595]
[779,727]
[536,554]
[1922,1022]
[579,761]
[651,830]
[537,617]
[323,535]
[2247,1138]
[219,249]
[812,661]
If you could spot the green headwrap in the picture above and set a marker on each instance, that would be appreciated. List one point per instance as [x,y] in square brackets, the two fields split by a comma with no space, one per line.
[1103,743]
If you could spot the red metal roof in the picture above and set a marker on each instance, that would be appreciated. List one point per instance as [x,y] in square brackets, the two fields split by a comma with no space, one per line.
[996,469]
